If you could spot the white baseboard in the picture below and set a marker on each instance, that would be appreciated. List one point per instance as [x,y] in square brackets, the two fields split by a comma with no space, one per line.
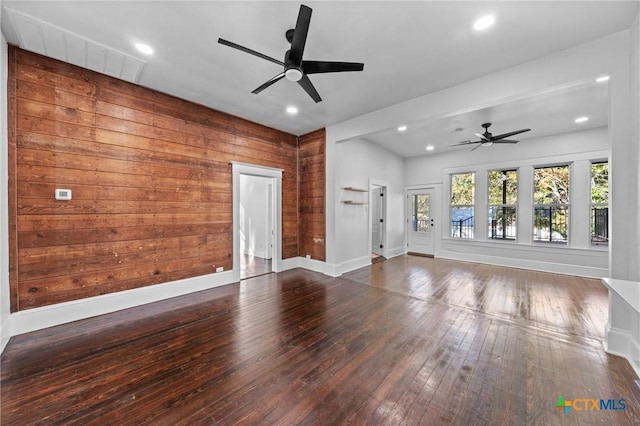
[557,268]
[621,343]
[352,264]
[332,270]
[394,252]
[5,332]
[291,263]
[622,334]
[49,316]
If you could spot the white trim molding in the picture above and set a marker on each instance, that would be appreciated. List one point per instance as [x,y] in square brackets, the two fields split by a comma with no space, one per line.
[622,333]
[61,313]
[276,176]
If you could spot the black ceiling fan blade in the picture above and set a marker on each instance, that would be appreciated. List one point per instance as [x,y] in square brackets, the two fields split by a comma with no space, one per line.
[300,34]
[467,143]
[506,135]
[249,51]
[269,83]
[505,141]
[318,67]
[306,84]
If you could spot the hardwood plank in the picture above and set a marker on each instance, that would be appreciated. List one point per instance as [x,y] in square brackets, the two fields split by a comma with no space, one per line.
[301,348]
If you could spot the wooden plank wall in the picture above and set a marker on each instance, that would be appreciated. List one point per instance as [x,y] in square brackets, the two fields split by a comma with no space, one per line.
[151,182]
[312,166]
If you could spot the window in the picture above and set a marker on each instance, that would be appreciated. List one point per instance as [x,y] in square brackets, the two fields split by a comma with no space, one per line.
[551,204]
[503,196]
[600,203]
[420,213]
[462,200]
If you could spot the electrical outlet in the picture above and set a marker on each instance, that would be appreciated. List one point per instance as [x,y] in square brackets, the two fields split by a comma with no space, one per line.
[219,269]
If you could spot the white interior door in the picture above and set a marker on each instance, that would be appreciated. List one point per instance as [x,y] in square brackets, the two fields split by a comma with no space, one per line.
[421,223]
[377,220]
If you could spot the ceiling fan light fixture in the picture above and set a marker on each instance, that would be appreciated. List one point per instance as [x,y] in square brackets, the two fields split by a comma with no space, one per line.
[488,143]
[293,74]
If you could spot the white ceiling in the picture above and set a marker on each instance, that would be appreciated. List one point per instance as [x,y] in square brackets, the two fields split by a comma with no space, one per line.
[550,113]
[409,49]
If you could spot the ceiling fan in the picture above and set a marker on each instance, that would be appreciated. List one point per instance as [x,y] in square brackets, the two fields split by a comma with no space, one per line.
[487,139]
[295,68]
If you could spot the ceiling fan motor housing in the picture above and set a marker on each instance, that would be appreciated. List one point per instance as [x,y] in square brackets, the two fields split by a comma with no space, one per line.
[292,71]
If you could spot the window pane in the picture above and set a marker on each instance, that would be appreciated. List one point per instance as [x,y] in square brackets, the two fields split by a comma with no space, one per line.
[462,222]
[551,185]
[420,213]
[550,223]
[502,222]
[599,225]
[600,183]
[599,201]
[462,199]
[503,187]
[462,188]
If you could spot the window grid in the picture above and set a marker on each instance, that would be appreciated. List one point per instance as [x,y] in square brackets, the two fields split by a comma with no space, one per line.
[462,205]
[503,197]
[599,222]
[551,204]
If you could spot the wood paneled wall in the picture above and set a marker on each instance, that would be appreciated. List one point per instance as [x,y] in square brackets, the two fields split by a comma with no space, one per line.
[312,171]
[151,182]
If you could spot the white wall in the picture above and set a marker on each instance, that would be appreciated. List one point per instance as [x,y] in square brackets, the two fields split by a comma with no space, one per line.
[577,149]
[5,319]
[634,73]
[428,168]
[608,55]
[254,207]
[358,163]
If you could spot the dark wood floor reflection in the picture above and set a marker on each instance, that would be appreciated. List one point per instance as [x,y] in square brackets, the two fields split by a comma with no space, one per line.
[251,266]
[411,340]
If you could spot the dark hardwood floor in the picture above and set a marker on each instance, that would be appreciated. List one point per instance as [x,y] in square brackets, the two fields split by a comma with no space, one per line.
[411,340]
[251,266]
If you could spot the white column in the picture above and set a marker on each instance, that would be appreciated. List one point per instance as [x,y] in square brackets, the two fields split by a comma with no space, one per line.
[580,200]
[525,205]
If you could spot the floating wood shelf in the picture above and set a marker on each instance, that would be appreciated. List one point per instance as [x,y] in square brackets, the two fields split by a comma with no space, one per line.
[355,202]
[352,188]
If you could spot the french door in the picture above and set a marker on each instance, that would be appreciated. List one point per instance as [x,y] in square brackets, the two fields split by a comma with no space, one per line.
[421,221]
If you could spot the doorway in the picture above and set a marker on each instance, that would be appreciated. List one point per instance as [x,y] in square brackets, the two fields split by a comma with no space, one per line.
[378,222]
[256,225]
[421,221]
[257,220]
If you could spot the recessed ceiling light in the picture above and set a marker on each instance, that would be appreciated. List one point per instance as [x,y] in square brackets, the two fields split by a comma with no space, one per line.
[602,79]
[484,22]
[581,119]
[146,49]
[402,128]
[430,148]
[292,110]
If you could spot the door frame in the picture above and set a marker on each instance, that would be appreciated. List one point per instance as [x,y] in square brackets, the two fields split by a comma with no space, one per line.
[275,177]
[435,207]
[383,229]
